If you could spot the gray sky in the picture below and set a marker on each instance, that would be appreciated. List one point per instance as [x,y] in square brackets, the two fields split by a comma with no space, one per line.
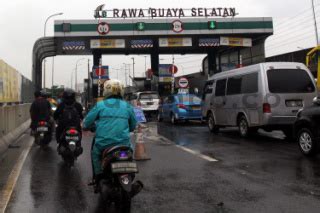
[22,23]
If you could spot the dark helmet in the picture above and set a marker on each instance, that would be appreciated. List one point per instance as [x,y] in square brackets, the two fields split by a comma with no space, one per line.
[37,94]
[69,96]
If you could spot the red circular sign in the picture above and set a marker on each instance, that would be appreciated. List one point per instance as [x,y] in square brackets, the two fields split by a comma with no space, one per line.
[102,72]
[173,69]
[177,26]
[103,28]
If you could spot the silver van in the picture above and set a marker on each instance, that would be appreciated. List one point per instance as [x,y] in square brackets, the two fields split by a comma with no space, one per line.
[265,95]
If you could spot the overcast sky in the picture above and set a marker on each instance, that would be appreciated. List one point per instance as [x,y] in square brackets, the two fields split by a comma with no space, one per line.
[22,23]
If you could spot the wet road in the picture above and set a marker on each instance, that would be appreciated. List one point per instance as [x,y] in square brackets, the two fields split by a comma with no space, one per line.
[260,174]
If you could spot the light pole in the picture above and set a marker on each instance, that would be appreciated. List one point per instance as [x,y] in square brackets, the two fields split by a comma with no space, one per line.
[76,75]
[44,34]
[315,21]
[145,64]
[133,67]
[125,73]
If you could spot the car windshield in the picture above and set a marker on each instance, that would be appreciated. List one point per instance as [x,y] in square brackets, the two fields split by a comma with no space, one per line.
[189,98]
[149,96]
[289,81]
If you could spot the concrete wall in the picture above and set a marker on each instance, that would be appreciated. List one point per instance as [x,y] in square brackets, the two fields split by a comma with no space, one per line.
[14,120]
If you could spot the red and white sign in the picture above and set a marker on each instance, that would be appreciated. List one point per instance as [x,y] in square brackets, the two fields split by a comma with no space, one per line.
[183,83]
[100,72]
[173,69]
[103,28]
[177,26]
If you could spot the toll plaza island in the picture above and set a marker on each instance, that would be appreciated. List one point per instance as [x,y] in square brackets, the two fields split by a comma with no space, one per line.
[216,32]
[247,142]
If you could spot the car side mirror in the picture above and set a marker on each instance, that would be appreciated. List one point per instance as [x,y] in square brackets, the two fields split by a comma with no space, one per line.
[316,101]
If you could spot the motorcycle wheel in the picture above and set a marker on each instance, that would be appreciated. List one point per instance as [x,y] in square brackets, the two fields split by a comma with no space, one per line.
[124,205]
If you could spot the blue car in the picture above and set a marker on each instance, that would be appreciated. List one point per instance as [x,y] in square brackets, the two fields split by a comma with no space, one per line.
[180,107]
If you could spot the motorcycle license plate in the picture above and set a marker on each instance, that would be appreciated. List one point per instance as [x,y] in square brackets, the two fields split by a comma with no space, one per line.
[124,167]
[74,138]
[42,129]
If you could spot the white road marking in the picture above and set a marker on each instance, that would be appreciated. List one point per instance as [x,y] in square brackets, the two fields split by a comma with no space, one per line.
[205,157]
[6,193]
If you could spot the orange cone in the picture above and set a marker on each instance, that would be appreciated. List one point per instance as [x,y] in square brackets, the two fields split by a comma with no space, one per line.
[140,149]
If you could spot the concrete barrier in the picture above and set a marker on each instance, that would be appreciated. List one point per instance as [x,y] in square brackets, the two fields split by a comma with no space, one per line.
[14,121]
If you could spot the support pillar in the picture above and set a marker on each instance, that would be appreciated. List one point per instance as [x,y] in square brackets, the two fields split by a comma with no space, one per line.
[96,59]
[212,64]
[155,63]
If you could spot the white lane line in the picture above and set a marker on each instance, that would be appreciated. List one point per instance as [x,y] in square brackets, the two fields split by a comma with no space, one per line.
[6,193]
[205,157]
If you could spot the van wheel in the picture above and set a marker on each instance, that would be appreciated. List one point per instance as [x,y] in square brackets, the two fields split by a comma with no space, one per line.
[307,143]
[173,119]
[243,126]
[212,124]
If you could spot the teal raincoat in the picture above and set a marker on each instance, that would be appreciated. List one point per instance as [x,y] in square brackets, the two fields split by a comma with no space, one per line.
[114,120]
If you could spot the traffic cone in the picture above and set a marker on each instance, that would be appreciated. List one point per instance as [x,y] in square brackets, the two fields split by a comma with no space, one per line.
[140,149]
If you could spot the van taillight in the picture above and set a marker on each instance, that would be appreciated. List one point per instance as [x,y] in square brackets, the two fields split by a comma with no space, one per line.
[266,108]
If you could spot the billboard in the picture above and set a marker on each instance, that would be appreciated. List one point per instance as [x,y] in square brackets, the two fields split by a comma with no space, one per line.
[175,42]
[107,43]
[236,42]
[9,83]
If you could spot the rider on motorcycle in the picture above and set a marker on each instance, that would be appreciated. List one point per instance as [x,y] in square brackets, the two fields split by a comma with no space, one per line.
[114,119]
[39,110]
[68,114]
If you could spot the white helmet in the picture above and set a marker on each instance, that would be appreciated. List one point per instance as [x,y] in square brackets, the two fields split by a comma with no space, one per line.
[113,87]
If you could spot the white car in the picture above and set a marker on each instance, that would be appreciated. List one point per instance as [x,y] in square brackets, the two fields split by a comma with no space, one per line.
[148,101]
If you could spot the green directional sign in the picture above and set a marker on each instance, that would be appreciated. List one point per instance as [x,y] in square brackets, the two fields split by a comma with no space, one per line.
[141,26]
[212,25]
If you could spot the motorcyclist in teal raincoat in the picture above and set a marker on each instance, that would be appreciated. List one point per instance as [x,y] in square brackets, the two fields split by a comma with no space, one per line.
[113,118]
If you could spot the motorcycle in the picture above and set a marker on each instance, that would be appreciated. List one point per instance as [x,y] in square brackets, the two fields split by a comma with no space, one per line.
[69,147]
[116,185]
[43,133]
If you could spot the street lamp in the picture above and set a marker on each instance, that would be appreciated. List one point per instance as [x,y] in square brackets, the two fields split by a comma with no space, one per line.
[315,21]
[76,75]
[44,61]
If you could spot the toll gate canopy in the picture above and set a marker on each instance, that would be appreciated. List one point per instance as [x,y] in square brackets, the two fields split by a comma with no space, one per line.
[224,40]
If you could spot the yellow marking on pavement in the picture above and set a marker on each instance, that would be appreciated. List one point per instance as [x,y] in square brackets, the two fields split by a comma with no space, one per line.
[205,157]
[6,193]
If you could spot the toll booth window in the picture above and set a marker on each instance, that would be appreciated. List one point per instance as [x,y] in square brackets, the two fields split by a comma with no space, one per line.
[221,87]
[289,81]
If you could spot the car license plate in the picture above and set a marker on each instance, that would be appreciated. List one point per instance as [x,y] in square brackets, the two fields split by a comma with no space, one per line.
[195,108]
[124,167]
[150,103]
[42,129]
[294,103]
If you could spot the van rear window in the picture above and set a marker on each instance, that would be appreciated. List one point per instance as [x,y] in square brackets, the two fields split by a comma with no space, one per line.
[289,81]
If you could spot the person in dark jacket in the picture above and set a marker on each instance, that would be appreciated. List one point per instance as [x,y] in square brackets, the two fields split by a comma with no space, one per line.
[40,109]
[68,101]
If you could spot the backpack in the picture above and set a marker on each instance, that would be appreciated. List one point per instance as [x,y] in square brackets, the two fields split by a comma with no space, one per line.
[70,116]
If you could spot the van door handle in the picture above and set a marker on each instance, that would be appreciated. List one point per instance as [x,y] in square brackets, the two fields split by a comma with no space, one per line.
[224,103]
[211,104]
